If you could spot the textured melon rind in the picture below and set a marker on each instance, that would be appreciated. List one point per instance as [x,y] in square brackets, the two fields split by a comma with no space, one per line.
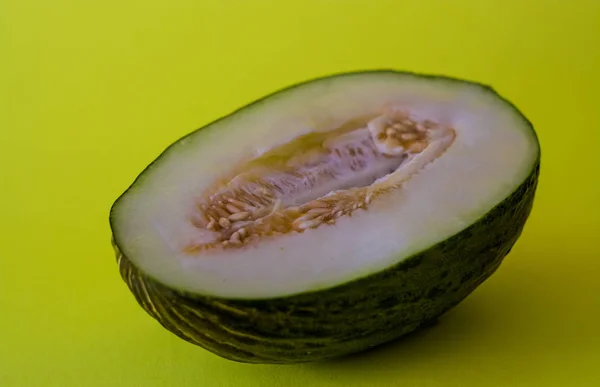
[348,318]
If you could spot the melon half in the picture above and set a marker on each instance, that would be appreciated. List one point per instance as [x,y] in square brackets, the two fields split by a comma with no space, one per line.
[328,217]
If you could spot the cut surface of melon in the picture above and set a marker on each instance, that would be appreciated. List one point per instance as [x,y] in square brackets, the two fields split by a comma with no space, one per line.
[322,183]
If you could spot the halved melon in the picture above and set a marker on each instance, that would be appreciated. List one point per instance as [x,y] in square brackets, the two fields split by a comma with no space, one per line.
[328,217]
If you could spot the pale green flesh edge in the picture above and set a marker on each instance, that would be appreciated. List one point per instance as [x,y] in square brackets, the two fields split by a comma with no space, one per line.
[173,148]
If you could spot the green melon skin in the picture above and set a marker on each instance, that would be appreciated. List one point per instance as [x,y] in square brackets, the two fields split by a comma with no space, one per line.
[344,319]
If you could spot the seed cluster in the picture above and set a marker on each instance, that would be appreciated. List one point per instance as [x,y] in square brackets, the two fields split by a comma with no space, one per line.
[399,133]
[222,211]
[242,226]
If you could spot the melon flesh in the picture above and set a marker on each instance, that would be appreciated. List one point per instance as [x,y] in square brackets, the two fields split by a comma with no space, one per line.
[492,151]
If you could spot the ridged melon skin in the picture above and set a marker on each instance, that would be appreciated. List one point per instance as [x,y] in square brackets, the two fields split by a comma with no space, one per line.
[344,319]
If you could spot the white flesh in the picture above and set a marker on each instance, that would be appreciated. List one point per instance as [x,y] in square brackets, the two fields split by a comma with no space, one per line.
[493,152]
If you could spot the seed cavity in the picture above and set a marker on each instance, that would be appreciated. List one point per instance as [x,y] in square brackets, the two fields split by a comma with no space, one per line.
[317,179]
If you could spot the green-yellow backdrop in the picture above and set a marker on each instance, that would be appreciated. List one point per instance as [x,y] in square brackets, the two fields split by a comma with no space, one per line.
[91,92]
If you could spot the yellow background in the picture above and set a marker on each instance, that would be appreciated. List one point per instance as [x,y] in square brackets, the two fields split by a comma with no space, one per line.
[90,94]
